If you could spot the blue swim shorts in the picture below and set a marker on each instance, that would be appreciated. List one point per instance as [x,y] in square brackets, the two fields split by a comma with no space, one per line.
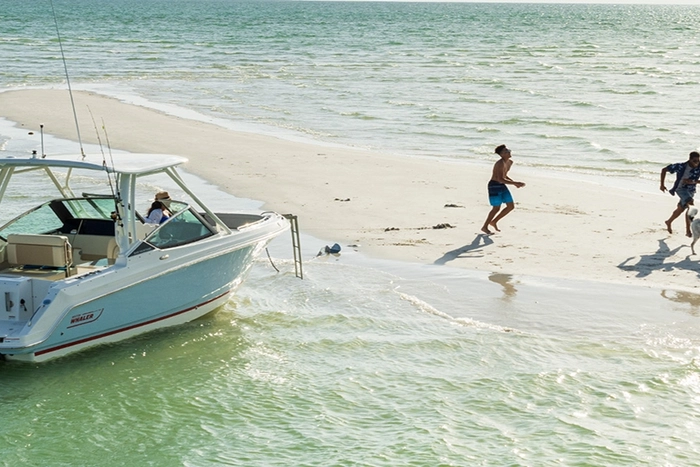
[499,194]
[685,195]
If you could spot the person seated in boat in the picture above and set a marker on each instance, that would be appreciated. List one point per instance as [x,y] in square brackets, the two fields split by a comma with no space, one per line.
[164,197]
[156,213]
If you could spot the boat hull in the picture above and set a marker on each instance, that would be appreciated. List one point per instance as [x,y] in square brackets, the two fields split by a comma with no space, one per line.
[120,334]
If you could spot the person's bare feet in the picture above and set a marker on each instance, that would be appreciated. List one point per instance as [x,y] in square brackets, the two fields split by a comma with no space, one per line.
[688,234]
[493,224]
[668,226]
[486,230]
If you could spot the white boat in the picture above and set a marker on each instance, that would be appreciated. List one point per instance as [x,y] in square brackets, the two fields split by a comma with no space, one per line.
[78,271]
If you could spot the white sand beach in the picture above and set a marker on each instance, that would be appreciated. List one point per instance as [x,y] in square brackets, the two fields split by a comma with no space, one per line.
[389,205]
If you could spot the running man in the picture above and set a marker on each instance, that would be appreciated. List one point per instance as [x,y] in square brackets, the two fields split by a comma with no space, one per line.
[498,191]
[687,175]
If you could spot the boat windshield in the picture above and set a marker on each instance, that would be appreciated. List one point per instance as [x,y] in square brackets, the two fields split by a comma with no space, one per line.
[90,208]
[186,226]
[59,216]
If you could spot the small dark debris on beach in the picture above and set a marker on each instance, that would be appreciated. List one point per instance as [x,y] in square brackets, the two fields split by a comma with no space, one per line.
[451,205]
[389,229]
[344,199]
[437,226]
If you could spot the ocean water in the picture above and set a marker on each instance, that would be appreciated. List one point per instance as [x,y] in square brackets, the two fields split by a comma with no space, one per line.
[368,362]
[584,88]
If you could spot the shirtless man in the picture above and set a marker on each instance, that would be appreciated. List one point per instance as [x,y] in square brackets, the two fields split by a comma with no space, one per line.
[498,191]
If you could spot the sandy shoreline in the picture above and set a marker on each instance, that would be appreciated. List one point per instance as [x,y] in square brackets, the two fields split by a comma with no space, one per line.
[389,205]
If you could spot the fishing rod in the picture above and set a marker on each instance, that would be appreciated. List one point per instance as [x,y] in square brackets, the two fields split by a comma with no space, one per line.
[117,196]
[112,184]
[70,91]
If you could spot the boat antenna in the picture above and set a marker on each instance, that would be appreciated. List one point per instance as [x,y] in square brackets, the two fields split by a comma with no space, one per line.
[70,91]
[41,131]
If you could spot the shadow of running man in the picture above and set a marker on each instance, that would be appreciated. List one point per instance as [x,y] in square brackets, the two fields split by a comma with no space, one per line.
[657,262]
[475,248]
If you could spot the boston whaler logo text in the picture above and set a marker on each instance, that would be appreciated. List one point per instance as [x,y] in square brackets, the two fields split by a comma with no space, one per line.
[84,318]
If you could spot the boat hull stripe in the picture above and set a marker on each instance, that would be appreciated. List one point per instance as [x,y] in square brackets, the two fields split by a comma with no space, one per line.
[128,328]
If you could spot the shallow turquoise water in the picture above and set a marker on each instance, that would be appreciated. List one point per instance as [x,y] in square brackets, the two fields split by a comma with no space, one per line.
[371,363]
[431,367]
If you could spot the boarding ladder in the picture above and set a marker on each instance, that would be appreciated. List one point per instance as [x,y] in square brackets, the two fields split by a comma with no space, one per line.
[296,244]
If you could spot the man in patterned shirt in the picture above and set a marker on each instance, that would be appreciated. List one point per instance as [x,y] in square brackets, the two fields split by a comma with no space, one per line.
[687,175]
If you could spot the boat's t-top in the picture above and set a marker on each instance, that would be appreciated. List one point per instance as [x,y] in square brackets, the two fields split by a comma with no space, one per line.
[100,227]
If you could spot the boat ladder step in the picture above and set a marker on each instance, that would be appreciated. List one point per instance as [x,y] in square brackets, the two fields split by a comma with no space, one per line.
[296,244]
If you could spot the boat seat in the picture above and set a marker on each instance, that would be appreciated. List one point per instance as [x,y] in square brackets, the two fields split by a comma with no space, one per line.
[91,247]
[112,251]
[53,251]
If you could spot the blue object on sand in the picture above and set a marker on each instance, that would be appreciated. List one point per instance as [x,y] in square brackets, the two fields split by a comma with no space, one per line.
[333,249]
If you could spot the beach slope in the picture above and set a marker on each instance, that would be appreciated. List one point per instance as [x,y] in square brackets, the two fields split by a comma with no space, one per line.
[404,208]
